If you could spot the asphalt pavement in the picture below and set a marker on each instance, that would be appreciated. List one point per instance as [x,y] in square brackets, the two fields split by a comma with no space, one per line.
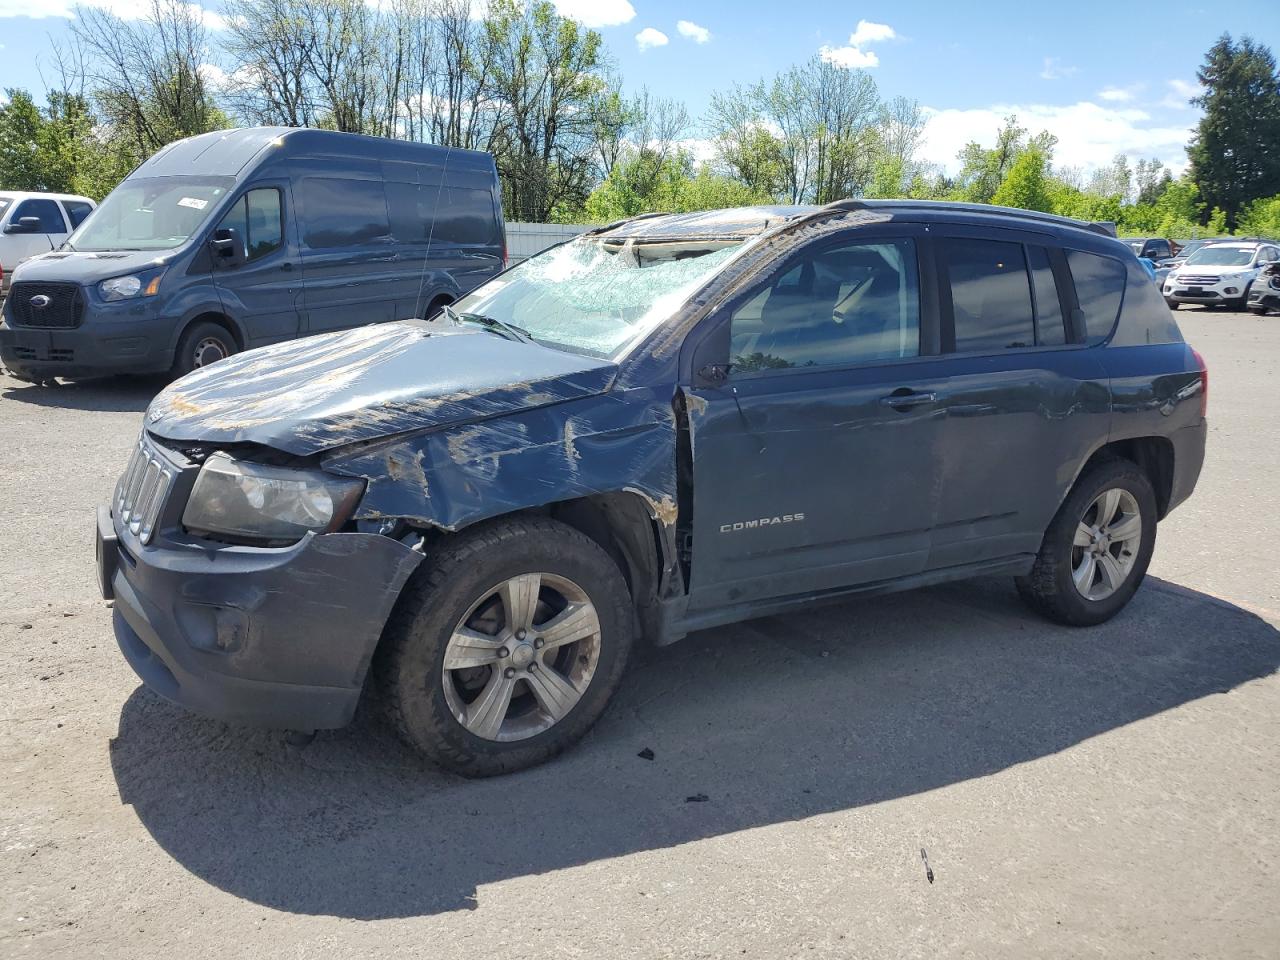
[933,774]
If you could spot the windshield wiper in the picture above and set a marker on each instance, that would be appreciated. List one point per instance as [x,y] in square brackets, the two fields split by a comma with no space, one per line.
[500,327]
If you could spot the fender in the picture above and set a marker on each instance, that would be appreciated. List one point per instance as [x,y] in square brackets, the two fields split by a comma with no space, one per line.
[450,478]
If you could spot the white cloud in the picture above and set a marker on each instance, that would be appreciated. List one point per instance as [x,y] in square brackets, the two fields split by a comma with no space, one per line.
[1089,134]
[852,56]
[1180,92]
[124,9]
[1116,94]
[1055,69]
[596,13]
[649,37]
[687,28]
[867,32]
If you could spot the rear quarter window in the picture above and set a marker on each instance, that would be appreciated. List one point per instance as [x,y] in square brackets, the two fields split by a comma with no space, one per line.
[1144,318]
[1099,283]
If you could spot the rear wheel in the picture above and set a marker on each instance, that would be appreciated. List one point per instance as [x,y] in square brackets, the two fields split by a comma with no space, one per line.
[202,344]
[1096,551]
[507,647]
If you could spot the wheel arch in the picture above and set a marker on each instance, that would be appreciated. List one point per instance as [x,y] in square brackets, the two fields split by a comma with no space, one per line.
[219,317]
[1154,455]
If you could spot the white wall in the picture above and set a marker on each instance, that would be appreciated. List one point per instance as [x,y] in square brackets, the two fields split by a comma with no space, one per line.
[524,240]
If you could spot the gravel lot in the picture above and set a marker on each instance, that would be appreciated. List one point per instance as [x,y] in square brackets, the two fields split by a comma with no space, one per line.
[1107,792]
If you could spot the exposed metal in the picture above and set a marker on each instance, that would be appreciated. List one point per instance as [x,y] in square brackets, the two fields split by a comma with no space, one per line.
[142,489]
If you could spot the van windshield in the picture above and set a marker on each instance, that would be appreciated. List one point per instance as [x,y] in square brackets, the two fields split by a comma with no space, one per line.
[155,213]
[598,297]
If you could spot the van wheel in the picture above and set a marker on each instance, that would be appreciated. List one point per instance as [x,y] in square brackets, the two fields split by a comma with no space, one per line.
[1096,551]
[202,344]
[506,646]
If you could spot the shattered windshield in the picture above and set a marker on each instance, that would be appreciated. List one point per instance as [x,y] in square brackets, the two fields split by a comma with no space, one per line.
[595,297]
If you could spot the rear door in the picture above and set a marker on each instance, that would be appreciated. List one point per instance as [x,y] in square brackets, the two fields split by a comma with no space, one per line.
[349,257]
[77,211]
[1026,399]
[263,289]
[814,459]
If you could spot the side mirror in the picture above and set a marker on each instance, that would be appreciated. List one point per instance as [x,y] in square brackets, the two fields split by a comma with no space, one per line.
[24,225]
[714,374]
[227,247]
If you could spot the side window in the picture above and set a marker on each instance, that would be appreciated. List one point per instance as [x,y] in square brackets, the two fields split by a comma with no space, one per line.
[46,211]
[1050,329]
[463,216]
[77,210]
[990,294]
[266,232]
[1163,251]
[256,218]
[858,303]
[1099,283]
[343,213]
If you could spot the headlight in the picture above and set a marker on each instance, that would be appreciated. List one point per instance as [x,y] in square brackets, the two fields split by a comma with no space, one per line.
[146,284]
[257,502]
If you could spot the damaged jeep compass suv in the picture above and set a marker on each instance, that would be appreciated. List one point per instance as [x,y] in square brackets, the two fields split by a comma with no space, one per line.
[669,423]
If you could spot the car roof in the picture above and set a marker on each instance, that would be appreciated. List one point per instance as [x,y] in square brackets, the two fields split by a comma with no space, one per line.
[33,194]
[743,222]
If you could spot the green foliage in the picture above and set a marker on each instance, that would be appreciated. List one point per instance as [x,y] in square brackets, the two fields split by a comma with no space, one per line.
[1262,218]
[1026,185]
[645,183]
[1233,152]
[53,148]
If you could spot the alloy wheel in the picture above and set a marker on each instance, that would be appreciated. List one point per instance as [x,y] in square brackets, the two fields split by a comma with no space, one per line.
[521,657]
[1106,544]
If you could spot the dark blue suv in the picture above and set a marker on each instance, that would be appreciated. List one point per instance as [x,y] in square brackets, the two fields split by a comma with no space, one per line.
[669,423]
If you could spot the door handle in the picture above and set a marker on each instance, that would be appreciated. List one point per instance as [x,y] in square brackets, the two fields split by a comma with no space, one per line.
[904,399]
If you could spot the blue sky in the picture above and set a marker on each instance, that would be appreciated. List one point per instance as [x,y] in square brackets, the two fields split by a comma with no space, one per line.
[1105,77]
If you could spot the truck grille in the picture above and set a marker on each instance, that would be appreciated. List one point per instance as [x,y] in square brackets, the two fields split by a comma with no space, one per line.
[1198,281]
[49,305]
[143,489]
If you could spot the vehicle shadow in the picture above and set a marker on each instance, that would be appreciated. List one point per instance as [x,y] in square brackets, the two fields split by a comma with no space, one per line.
[110,394]
[770,721]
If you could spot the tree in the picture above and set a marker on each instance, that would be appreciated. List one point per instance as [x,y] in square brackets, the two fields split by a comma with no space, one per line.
[1026,186]
[54,148]
[1262,217]
[983,171]
[20,127]
[1233,152]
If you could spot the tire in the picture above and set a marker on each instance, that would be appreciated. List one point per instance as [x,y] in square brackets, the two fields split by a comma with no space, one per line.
[1050,589]
[1258,311]
[460,588]
[202,343]
[1173,304]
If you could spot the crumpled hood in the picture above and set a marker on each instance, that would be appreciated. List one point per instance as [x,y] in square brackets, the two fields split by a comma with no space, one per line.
[77,267]
[309,395]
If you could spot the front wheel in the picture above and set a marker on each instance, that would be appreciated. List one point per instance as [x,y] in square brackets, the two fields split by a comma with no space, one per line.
[1173,304]
[507,647]
[203,344]
[1096,551]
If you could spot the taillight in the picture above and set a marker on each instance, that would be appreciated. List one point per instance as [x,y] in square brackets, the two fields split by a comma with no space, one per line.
[1204,382]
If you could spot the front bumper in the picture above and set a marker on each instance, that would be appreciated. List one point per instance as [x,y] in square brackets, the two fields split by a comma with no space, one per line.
[270,637]
[1264,298]
[1223,290]
[111,339]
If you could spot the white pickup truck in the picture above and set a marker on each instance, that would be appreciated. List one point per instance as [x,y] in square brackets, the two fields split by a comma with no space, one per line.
[32,223]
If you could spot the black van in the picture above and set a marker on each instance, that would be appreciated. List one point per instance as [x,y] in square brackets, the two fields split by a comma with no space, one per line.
[241,238]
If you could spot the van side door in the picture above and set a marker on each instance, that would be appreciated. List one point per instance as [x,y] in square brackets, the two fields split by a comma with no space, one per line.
[349,257]
[814,458]
[1027,400]
[260,282]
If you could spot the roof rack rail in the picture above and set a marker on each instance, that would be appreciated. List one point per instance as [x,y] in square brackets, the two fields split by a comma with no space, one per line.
[617,223]
[1104,227]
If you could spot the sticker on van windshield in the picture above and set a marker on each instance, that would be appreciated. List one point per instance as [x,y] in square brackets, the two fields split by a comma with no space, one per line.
[193,203]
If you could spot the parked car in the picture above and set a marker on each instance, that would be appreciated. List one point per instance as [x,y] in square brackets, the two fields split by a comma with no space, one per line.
[1264,294]
[1219,274]
[668,424]
[1155,249]
[1181,251]
[32,223]
[241,238]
